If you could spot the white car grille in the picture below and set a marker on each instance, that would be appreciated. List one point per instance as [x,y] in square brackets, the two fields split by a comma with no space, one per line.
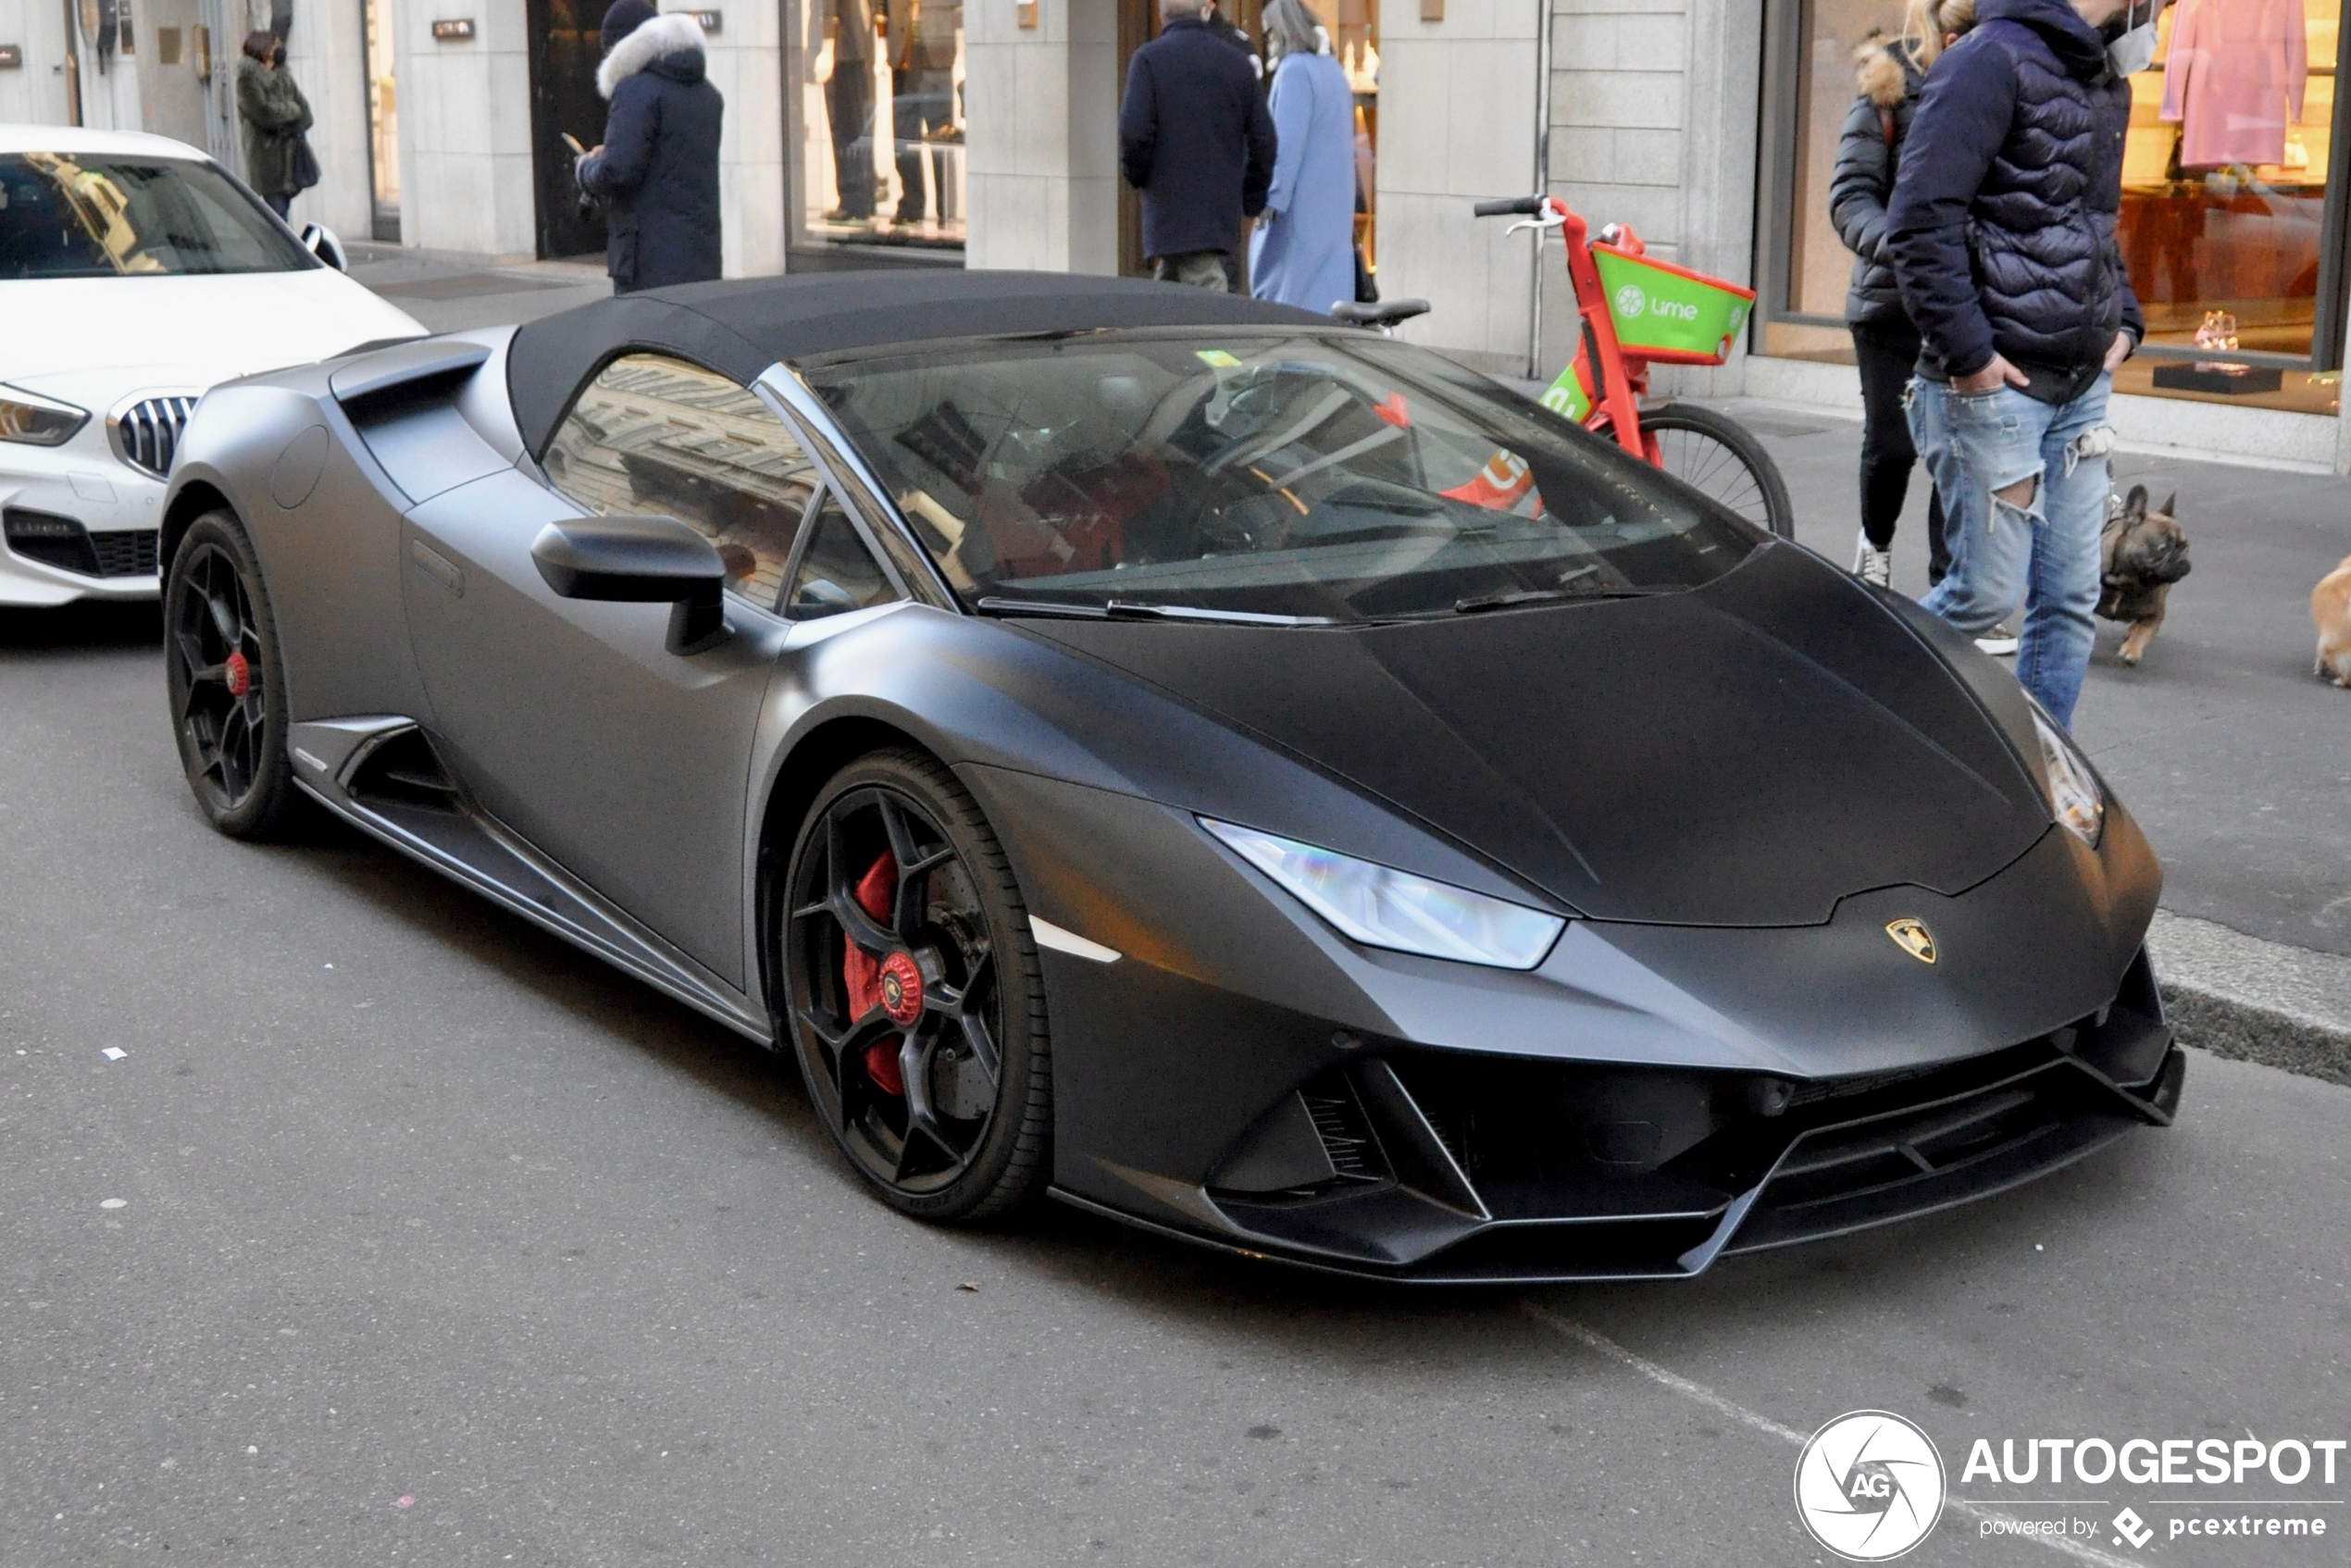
[147,433]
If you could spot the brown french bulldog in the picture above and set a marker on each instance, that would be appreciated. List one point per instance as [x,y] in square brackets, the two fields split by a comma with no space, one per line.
[2142,554]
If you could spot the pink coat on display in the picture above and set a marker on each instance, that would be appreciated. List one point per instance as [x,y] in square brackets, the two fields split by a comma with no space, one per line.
[2235,78]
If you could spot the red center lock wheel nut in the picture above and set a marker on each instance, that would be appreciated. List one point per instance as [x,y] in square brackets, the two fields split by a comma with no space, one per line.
[902,990]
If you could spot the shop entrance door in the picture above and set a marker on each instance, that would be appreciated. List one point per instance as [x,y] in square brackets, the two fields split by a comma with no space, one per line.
[563,56]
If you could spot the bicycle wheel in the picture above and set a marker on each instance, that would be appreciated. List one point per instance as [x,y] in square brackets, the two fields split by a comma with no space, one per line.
[1715,454]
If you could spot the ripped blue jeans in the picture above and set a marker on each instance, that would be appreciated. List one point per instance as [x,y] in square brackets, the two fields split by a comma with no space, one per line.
[2043,555]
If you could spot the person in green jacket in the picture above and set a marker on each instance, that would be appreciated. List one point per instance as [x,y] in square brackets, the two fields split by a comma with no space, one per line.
[275,115]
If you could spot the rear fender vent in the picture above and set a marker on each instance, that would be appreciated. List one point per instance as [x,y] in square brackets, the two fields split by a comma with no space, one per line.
[403,769]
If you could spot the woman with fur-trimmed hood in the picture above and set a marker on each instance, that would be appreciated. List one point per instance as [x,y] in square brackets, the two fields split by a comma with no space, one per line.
[1886,343]
[657,167]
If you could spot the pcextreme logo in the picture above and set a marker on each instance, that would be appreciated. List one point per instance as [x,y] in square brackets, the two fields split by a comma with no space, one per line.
[1869,1486]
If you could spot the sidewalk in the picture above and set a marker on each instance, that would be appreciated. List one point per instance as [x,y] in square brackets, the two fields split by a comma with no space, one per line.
[450,292]
[2232,757]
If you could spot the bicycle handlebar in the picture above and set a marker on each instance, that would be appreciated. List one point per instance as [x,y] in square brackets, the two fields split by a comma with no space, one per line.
[1526,204]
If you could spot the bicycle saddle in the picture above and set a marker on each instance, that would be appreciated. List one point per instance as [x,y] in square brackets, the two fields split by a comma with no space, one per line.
[1386,314]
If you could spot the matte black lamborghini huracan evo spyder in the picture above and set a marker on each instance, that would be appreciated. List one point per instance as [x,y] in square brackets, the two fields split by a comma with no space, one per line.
[1222,768]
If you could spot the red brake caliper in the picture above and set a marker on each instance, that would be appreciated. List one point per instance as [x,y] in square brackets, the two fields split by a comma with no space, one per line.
[861,974]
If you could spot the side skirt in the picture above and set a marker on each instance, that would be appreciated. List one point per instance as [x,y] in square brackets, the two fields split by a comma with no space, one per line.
[464,843]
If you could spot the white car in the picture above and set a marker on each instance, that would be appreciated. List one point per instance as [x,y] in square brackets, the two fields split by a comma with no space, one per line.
[134,274]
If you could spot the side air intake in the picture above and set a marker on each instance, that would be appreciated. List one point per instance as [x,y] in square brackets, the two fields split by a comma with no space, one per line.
[403,770]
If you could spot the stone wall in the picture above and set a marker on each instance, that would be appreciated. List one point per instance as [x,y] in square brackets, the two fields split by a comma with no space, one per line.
[1653,121]
[1041,171]
[464,132]
[1457,123]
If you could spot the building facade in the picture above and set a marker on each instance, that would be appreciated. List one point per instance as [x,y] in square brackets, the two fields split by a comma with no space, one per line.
[983,134]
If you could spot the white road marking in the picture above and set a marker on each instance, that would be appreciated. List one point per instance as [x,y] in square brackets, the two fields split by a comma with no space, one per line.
[1591,1340]
[1052,935]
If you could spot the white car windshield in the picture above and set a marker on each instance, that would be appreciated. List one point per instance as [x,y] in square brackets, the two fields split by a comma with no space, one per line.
[76,215]
[1327,478]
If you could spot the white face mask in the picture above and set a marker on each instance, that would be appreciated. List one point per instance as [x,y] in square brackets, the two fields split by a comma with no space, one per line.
[2134,51]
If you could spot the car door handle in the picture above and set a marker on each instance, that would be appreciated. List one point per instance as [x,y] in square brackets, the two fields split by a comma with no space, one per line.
[438,568]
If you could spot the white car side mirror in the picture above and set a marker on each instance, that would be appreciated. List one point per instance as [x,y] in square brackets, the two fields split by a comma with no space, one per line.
[321,242]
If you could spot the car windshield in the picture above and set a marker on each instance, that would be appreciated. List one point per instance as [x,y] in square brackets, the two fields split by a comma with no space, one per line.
[72,215]
[1325,477]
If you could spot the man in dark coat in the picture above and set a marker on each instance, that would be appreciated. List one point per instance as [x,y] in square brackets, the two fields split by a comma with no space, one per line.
[2001,230]
[1195,138]
[657,168]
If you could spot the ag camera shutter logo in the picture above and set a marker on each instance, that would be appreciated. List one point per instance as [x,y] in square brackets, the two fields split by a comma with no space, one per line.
[1869,1486]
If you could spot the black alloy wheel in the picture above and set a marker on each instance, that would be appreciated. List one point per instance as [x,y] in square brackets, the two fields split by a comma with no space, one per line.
[914,996]
[227,685]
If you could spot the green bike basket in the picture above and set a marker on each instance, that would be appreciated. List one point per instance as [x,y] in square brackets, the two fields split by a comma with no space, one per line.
[1669,313]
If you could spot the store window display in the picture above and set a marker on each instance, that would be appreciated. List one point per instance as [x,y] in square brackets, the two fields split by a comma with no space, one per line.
[877,97]
[2225,193]
[2227,198]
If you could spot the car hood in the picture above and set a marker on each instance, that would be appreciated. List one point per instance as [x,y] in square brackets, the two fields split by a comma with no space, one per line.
[1744,754]
[95,339]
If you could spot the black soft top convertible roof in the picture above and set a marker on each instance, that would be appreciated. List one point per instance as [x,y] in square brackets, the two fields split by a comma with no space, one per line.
[741,327]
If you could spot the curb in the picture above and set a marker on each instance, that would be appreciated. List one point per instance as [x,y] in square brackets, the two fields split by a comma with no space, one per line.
[2226,1025]
[2256,1001]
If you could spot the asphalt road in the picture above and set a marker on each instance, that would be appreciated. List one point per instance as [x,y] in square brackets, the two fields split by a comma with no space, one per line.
[433,1241]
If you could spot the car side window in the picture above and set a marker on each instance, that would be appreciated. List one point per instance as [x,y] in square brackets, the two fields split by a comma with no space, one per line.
[655,434]
[836,573]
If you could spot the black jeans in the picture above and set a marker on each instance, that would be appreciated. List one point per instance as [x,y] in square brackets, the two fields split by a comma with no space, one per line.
[1887,356]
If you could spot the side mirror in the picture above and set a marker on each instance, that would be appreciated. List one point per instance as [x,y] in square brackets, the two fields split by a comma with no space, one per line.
[639,561]
[321,242]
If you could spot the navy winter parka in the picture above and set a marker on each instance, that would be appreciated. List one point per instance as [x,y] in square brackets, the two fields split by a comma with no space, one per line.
[1194,137]
[658,172]
[2001,227]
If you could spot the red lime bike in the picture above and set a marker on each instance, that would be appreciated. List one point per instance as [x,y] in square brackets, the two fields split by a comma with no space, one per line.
[1638,311]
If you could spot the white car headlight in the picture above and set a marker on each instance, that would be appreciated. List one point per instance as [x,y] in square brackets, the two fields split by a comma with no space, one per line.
[1382,907]
[2075,796]
[32,420]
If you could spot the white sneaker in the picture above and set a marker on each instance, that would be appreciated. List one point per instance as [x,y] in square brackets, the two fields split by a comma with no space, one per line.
[2000,642]
[1873,566]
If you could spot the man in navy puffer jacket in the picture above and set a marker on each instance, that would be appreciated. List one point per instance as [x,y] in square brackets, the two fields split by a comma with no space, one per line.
[2001,230]
[657,168]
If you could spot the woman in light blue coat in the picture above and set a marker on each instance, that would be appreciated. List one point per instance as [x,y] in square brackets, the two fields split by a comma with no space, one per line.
[1304,251]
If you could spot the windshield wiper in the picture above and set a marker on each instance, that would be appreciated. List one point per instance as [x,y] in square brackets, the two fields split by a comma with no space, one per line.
[1516,597]
[1128,609]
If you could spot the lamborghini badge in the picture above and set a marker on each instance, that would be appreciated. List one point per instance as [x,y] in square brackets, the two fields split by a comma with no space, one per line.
[1913,938]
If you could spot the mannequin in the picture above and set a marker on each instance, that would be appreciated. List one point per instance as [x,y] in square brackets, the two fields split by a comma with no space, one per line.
[2234,80]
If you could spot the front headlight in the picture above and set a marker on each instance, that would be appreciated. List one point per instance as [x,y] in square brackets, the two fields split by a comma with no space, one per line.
[2075,796]
[1382,907]
[32,420]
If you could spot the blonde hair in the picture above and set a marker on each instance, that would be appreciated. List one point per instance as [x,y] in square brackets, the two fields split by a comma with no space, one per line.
[1928,22]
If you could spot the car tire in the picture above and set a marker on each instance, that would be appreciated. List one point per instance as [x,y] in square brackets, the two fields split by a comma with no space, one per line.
[226,677]
[894,1013]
